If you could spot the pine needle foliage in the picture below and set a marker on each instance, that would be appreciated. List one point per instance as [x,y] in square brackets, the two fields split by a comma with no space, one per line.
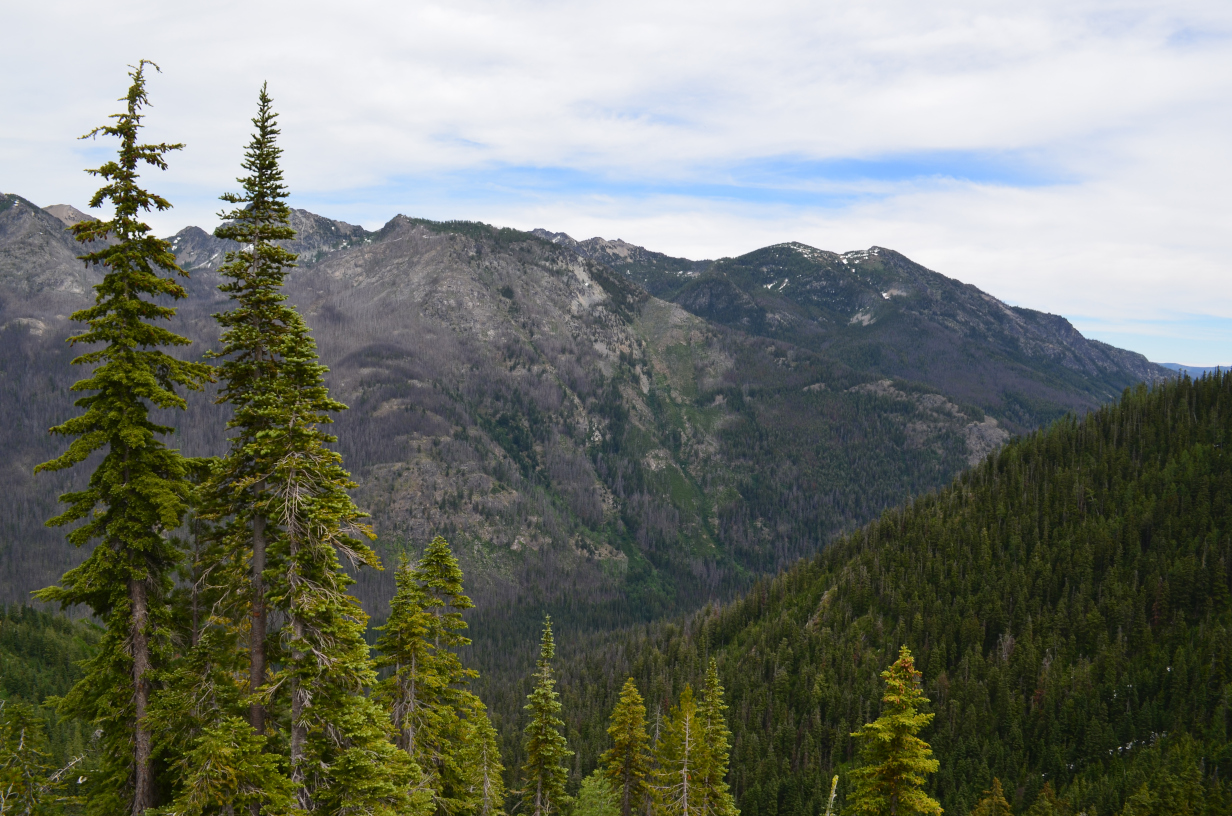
[139,491]
[287,521]
[993,803]
[716,798]
[258,325]
[441,725]
[894,761]
[681,760]
[627,763]
[544,772]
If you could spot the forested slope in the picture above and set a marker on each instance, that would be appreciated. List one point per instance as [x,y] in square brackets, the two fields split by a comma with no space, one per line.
[39,656]
[1069,602]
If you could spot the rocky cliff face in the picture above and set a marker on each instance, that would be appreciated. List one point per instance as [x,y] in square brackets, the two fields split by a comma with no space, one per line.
[588,447]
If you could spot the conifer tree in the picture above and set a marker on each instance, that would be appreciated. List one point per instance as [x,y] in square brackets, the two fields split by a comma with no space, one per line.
[341,759]
[627,763]
[993,803]
[596,797]
[440,580]
[1049,804]
[256,326]
[681,758]
[440,724]
[715,796]
[27,776]
[544,772]
[281,496]
[890,779]
[480,757]
[413,687]
[139,490]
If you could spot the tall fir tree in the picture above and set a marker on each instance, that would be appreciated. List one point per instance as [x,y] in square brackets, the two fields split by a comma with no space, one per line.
[217,709]
[544,772]
[281,499]
[139,491]
[715,798]
[259,323]
[437,721]
[893,760]
[413,687]
[993,803]
[440,581]
[480,758]
[681,759]
[627,763]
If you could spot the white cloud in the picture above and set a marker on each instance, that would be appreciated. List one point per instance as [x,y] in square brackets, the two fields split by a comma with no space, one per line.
[1116,112]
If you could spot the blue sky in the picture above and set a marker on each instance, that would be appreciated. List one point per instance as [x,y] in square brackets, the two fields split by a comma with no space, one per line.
[1071,157]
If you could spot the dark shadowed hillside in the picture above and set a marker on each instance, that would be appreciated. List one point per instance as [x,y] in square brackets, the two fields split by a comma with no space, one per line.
[1069,602]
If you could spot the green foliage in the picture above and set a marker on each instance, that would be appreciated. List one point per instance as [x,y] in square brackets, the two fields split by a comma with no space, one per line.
[440,725]
[29,780]
[893,760]
[1068,602]
[596,797]
[40,657]
[681,760]
[993,803]
[544,772]
[626,764]
[715,798]
[138,492]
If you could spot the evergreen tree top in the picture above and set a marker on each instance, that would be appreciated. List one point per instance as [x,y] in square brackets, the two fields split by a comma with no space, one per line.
[993,803]
[264,214]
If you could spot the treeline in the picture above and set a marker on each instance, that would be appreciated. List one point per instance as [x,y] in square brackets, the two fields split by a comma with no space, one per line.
[1069,602]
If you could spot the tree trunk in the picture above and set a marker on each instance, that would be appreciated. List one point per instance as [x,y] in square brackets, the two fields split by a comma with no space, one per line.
[256,635]
[299,732]
[143,784]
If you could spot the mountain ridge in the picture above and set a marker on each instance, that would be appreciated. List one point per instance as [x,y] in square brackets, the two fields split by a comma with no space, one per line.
[588,447]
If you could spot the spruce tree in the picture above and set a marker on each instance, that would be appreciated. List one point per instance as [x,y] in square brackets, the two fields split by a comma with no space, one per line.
[544,772]
[341,758]
[993,803]
[256,326]
[893,760]
[596,797]
[440,580]
[281,497]
[440,724]
[139,490]
[715,795]
[681,757]
[627,763]
[480,758]
[413,688]
[28,779]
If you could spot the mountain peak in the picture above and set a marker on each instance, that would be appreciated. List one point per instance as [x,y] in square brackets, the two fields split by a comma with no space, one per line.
[68,214]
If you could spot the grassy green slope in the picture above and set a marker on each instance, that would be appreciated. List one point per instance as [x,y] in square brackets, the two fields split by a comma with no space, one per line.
[1068,600]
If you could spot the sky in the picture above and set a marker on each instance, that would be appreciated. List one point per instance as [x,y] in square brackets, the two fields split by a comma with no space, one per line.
[1072,157]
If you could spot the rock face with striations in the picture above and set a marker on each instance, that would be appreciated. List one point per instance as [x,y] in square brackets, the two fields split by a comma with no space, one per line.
[588,447]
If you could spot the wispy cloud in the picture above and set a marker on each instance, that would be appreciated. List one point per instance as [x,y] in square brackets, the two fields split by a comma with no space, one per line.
[1070,156]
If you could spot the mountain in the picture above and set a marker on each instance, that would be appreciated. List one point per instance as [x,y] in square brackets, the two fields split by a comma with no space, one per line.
[1068,600]
[881,313]
[660,275]
[589,448]
[1194,371]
